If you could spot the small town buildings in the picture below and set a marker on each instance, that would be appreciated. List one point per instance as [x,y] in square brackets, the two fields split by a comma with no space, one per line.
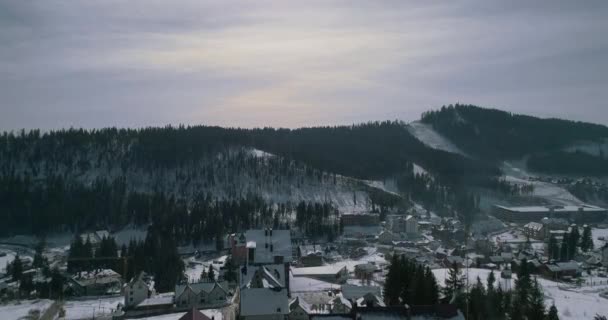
[534,230]
[333,274]
[202,294]
[311,255]
[353,293]
[263,246]
[136,291]
[387,237]
[299,309]
[96,283]
[194,314]
[561,270]
[365,271]
[582,213]
[411,225]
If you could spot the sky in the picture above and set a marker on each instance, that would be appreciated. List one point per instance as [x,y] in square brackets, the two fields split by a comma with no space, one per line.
[281,63]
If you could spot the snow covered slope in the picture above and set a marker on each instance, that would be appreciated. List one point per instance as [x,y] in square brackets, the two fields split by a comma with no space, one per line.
[432,138]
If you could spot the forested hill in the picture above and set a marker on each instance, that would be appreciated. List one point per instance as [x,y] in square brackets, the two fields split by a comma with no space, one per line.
[204,179]
[497,134]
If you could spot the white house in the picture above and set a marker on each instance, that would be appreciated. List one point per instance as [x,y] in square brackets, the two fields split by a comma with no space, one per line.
[136,291]
[202,294]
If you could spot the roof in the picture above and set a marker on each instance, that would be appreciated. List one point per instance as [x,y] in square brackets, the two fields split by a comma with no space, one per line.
[271,275]
[316,271]
[104,276]
[194,314]
[262,301]
[528,209]
[265,240]
[310,249]
[157,301]
[356,292]
[534,226]
[197,287]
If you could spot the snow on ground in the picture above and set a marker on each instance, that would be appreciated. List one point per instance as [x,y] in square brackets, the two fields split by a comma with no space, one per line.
[548,191]
[8,258]
[508,236]
[87,309]
[596,233]
[427,135]
[215,313]
[21,309]
[419,170]
[372,256]
[571,302]
[260,154]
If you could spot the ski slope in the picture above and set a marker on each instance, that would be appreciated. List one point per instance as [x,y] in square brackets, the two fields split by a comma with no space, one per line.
[427,135]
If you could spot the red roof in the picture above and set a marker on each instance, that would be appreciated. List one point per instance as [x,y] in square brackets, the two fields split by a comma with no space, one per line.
[194,314]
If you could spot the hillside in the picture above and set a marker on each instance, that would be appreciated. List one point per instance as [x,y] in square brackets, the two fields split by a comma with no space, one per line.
[499,135]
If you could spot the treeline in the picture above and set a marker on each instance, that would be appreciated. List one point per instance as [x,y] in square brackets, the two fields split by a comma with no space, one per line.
[490,301]
[498,135]
[411,283]
[563,162]
[55,205]
[444,199]
[371,150]
[571,242]
[589,191]
[318,220]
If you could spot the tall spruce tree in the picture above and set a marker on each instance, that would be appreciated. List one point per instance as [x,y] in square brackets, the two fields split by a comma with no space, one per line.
[587,239]
[573,241]
[536,307]
[553,248]
[552,315]
[454,283]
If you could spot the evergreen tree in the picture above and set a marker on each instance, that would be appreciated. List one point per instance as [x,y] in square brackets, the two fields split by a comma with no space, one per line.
[564,249]
[552,313]
[392,288]
[573,241]
[490,282]
[587,239]
[454,283]
[211,273]
[16,268]
[523,288]
[39,259]
[431,288]
[536,307]
[553,249]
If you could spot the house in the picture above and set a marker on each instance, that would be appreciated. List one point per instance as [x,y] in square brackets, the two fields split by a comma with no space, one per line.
[311,255]
[365,271]
[334,274]
[136,291]
[560,270]
[201,294]
[264,304]
[352,292]
[265,246]
[299,309]
[340,305]
[386,237]
[96,283]
[411,225]
[534,230]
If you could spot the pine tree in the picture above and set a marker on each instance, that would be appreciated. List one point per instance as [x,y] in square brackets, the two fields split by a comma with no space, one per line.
[39,259]
[490,282]
[454,283]
[536,307]
[523,288]
[431,287]
[553,248]
[552,313]
[564,250]
[587,239]
[16,268]
[211,273]
[573,241]
[392,284]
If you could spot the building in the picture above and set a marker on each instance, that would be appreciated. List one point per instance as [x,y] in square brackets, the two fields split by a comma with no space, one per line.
[360,219]
[96,283]
[202,294]
[582,213]
[311,255]
[264,304]
[534,230]
[387,237]
[263,246]
[194,314]
[365,271]
[411,225]
[333,274]
[136,291]
[561,270]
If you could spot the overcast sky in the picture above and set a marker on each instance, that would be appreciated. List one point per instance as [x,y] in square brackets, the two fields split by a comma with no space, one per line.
[295,63]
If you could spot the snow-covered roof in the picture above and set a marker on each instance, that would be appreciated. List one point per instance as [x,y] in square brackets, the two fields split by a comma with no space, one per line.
[534,226]
[310,249]
[156,301]
[264,302]
[316,271]
[273,275]
[355,292]
[270,243]
[584,208]
[197,287]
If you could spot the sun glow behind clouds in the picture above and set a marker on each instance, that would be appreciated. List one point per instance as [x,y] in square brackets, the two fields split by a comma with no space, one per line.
[290,63]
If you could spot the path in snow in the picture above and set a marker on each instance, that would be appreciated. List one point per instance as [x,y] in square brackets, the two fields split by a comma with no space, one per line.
[432,138]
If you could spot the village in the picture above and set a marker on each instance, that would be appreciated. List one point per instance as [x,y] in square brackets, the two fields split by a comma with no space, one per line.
[280,274]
